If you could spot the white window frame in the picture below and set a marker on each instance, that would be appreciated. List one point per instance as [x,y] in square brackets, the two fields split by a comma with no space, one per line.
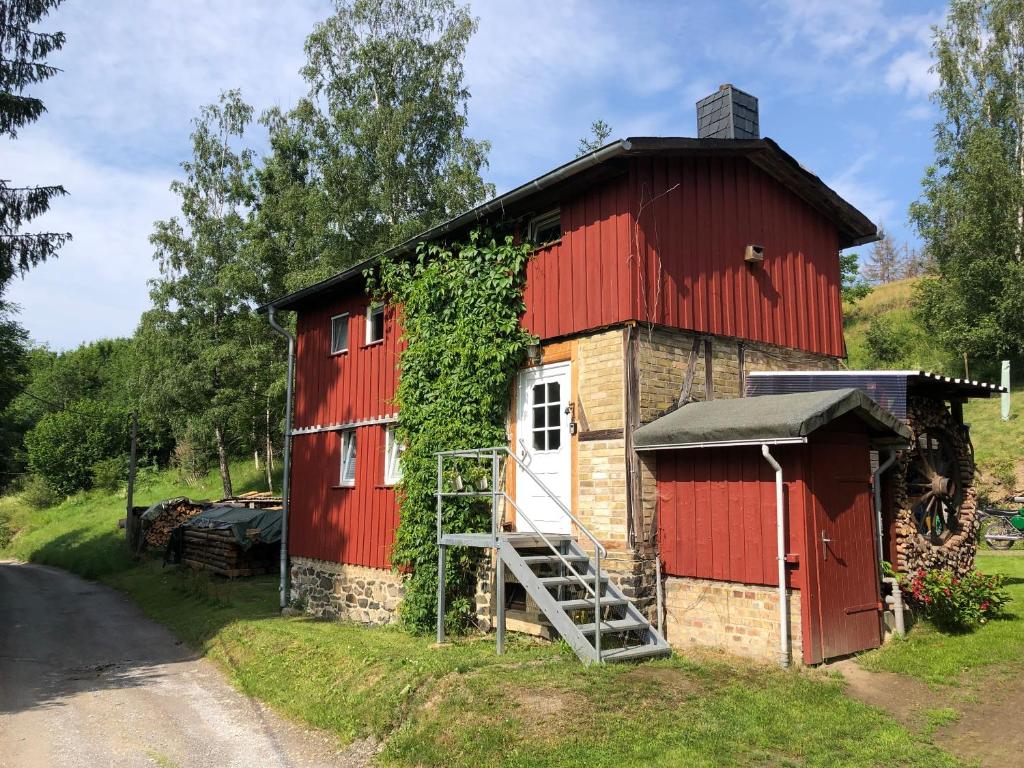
[349,455]
[370,312]
[343,315]
[542,221]
[392,455]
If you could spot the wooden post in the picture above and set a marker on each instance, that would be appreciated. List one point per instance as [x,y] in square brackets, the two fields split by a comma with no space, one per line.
[130,527]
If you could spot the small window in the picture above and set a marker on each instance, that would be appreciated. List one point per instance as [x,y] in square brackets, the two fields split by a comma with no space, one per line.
[392,456]
[348,458]
[339,334]
[374,323]
[546,228]
[547,417]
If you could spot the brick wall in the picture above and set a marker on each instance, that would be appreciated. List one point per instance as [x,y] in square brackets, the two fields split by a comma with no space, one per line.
[663,355]
[339,591]
[738,618]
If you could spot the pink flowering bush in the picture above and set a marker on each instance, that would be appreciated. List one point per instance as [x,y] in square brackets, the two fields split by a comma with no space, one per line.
[957,603]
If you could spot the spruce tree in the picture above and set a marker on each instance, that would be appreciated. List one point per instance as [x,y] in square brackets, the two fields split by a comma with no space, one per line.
[23,54]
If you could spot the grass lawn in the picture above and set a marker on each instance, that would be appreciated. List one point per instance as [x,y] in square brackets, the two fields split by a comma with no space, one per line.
[461,705]
[941,659]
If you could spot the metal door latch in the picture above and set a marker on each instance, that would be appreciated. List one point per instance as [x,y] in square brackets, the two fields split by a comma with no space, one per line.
[825,541]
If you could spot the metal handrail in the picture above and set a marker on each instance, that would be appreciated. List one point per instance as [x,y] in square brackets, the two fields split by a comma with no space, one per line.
[599,549]
[477,452]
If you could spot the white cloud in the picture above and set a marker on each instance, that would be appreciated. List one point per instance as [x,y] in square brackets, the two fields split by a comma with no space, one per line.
[911,73]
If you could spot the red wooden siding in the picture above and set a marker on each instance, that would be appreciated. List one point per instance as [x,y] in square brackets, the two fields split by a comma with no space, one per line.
[716,513]
[695,218]
[345,525]
[583,281]
[352,386]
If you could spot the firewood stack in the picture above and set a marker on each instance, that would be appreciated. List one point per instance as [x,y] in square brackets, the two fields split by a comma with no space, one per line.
[215,550]
[957,550]
[174,514]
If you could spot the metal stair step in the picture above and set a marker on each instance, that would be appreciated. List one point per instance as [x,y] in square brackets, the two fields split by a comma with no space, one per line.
[553,559]
[588,603]
[571,581]
[615,625]
[635,652]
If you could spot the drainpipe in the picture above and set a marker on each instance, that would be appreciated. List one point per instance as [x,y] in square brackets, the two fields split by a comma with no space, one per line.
[780,543]
[285,485]
[877,486]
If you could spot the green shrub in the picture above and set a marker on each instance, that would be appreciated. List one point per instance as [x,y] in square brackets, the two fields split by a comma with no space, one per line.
[885,342]
[110,474]
[37,493]
[954,603]
[64,445]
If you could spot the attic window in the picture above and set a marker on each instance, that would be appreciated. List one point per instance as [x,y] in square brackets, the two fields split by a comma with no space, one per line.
[546,228]
[374,323]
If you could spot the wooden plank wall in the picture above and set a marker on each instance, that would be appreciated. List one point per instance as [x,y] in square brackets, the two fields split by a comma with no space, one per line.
[347,525]
[716,513]
[695,217]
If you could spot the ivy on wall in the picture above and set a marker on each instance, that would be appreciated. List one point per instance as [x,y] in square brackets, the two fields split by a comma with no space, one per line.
[460,307]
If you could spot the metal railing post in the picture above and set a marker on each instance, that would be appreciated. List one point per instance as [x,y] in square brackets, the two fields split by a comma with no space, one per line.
[597,604]
[501,604]
[440,558]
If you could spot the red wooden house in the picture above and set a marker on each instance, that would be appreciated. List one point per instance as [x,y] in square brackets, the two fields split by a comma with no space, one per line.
[665,270]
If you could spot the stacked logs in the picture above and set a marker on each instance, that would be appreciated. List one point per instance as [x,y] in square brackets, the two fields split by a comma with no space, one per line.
[914,550]
[215,550]
[174,514]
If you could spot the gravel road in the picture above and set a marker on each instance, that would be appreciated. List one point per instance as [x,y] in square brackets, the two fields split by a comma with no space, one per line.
[87,680]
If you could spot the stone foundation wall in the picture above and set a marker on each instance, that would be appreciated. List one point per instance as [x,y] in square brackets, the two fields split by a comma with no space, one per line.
[340,591]
[739,618]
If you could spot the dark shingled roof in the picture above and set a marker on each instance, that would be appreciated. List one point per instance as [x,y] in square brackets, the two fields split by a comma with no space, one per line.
[766,419]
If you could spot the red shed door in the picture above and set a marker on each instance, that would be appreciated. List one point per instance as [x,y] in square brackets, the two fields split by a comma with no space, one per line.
[844,546]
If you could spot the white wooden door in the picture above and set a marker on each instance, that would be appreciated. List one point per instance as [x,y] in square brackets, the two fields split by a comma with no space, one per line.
[542,444]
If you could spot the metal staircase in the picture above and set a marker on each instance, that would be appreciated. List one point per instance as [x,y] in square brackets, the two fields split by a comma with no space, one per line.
[567,584]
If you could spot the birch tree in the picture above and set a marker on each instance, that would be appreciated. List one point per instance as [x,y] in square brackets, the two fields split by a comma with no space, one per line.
[971,211]
[202,340]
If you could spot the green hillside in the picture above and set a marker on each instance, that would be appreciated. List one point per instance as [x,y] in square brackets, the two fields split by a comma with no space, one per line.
[883,332]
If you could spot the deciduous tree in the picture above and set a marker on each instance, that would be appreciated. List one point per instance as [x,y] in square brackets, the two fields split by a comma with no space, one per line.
[971,211]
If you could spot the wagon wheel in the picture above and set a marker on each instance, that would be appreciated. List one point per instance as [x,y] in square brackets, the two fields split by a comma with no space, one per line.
[933,485]
[999,527]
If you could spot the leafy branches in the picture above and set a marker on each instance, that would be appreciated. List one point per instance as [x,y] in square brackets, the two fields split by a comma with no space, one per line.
[23,52]
[460,308]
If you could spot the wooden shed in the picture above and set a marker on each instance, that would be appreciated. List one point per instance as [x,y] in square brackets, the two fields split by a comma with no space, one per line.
[759,491]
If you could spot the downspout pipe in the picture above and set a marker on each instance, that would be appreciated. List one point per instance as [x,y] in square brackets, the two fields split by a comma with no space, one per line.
[285,484]
[780,543]
[876,485]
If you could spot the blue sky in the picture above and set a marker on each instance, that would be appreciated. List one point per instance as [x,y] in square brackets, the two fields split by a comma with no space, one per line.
[843,86]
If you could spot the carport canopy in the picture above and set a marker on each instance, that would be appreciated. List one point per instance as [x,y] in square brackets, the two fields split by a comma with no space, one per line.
[769,419]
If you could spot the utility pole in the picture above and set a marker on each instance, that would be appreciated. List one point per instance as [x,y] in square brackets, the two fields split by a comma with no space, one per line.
[130,528]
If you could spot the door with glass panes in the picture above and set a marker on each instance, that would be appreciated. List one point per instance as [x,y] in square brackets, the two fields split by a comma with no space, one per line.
[542,444]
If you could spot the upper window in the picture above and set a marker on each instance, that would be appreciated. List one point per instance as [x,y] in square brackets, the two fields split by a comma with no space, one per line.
[545,228]
[339,333]
[348,458]
[392,456]
[374,323]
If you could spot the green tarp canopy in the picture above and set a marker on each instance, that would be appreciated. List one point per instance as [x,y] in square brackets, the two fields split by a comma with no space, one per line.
[765,419]
[239,520]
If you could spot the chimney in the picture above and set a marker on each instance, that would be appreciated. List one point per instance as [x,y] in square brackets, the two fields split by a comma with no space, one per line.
[729,113]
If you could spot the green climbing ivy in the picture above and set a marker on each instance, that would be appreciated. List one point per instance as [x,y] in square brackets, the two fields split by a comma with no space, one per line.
[460,307]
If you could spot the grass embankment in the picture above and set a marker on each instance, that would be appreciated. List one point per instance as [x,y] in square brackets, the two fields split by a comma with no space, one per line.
[950,659]
[461,705]
[998,444]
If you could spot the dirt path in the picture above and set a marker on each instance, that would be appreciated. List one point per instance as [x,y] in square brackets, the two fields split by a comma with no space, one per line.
[986,729]
[85,679]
